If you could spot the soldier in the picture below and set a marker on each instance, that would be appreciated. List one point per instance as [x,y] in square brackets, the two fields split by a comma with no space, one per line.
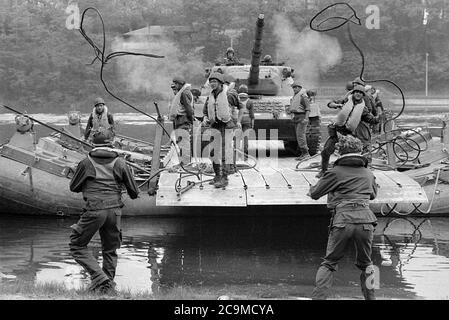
[314,127]
[181,107]
[229,82]
[182,114]
[217,114]
[349,187]
[376,104]
[300,108]
[196,99]
[100,119]
[267,61]
[353,118]
[315,112]
[247,120]
[101,177]
[286,83]
[368,102]
[230,58]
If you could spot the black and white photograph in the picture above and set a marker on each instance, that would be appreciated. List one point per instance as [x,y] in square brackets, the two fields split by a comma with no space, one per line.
[245,152]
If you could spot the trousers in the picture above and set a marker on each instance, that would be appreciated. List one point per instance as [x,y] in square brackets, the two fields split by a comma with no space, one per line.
[340,236]
[300,129]
[108,223]
[225,156]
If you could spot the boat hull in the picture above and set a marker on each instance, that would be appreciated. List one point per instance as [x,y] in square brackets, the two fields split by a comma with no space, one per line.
[32,191]
[28,190]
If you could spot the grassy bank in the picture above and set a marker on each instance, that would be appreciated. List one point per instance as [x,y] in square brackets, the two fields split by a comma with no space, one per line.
[28,290]
[23,290]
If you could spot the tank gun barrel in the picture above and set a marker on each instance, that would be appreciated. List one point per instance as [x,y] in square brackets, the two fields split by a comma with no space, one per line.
[256,53]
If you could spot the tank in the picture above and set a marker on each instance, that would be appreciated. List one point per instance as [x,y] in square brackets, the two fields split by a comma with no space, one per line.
[269,87]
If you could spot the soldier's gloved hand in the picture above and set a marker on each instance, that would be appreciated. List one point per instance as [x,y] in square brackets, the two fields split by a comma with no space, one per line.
[239,125]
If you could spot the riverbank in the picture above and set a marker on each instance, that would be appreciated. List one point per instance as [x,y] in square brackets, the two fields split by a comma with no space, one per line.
[28,290]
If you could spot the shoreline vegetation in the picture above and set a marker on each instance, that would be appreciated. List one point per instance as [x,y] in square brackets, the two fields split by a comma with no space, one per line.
[29,290]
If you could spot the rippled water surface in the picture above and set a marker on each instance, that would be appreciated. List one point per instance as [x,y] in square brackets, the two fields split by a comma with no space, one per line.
[267,256]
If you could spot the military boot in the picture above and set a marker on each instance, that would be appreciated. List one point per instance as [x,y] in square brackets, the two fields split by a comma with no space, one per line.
[223,182]
[304,155]
[217,174]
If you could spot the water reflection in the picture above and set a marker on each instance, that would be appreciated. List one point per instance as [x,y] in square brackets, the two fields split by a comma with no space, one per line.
[417,250]
[274,256]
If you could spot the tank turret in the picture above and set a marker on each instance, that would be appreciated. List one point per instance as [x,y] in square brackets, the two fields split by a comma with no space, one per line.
[269,89]
[261,77]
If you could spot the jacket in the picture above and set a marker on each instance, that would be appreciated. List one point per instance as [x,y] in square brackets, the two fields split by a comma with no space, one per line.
[101,177]
[182,104]
[299,103]
[363,130]
[248,111]
[349,186]
[90,123]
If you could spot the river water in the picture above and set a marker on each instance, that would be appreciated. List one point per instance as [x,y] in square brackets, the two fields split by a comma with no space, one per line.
[260,257]
[266,256]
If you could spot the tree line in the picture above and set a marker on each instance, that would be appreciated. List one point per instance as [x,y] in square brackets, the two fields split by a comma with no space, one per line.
[45,67]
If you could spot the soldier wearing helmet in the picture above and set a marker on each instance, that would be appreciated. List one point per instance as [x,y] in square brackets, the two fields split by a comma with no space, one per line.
[300,109]
[267,61]
[230,58]
[100,119]
[181,107]
[248,116]
[354,118]
[286,83]
[181,112]
[217,112]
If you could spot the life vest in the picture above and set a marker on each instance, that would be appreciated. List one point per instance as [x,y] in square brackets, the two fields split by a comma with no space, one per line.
[100,121]
[314,110]
[295,103]
[219,108]
[286,87]
[104,184]
[245,110]
[176,107]
[350,114]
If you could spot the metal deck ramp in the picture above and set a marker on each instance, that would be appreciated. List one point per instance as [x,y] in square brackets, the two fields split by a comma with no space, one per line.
[276,186]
